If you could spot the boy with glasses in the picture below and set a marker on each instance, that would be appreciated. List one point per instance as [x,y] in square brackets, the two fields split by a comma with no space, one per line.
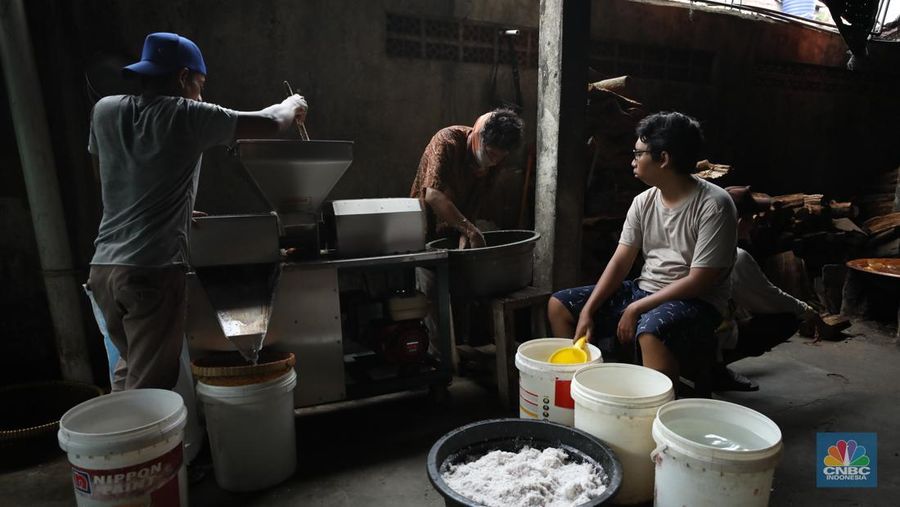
[685,228]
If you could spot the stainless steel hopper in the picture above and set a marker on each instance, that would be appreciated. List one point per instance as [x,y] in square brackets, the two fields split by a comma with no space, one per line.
[295,177]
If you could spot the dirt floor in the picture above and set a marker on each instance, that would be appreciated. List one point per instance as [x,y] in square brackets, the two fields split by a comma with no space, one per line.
[374,454]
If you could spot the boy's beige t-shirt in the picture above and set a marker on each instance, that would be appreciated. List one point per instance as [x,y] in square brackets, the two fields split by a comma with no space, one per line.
[701,231]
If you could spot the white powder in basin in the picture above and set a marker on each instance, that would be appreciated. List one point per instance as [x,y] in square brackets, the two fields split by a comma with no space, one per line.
[530,477]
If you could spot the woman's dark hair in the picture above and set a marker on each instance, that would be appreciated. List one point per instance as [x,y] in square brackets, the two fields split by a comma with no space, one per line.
[677,134]
[503,130]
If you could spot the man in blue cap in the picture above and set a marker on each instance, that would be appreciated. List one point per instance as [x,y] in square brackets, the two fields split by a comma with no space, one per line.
[147,150]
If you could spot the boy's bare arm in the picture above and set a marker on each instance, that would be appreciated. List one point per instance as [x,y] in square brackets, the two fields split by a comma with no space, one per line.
[616,271]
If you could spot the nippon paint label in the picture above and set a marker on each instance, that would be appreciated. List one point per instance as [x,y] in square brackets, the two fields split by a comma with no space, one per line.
[151,483]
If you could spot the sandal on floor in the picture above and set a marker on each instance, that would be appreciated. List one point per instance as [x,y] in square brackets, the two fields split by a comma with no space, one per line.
[726,379]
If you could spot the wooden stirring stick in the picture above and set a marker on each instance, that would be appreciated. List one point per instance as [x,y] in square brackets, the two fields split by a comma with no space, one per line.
[301,128]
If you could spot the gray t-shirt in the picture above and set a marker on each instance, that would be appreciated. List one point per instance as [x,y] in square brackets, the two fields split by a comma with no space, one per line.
[150,149]
[701,231]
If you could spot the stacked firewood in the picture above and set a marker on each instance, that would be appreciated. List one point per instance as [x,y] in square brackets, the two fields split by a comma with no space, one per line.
[816,227]
[825,231]
[818,236]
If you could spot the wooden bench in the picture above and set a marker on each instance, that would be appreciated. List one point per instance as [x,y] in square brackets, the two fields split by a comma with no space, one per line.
[503,310]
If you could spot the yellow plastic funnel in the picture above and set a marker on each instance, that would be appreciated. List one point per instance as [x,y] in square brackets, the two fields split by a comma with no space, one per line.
[574,354]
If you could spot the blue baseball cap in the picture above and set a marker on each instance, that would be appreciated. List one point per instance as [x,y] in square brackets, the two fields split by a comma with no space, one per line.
[167,52]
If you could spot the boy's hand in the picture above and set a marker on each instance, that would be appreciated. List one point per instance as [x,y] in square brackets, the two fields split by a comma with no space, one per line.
[627,325]
[585,327]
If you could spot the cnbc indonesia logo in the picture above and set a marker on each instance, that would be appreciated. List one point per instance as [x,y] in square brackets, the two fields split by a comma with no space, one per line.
[846,461]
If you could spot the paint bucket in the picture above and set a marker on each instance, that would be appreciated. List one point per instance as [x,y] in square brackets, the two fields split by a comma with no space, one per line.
[126,449]
[617,403]
[713,453]
[544,386]
[250,421]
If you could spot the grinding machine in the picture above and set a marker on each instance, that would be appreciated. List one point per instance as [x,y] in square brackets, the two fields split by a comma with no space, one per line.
[332,282]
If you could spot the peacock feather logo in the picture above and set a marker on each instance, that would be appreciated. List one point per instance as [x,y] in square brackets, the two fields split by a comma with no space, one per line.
[846,453]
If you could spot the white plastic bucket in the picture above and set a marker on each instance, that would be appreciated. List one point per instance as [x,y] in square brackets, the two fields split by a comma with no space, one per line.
[713,453]
[617,403]
[126,449]
[194,434]
[543,386]
[251,432]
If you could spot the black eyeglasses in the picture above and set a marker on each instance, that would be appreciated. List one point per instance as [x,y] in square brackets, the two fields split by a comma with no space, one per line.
[637,153]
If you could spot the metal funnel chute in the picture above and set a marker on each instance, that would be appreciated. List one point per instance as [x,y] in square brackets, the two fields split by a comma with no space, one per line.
[242,297]
[295,176]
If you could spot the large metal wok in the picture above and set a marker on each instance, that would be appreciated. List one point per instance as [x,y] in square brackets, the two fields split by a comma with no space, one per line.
[504,265]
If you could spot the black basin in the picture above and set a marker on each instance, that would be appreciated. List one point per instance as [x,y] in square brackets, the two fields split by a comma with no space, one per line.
[30,419]
[476,439]
[504,265]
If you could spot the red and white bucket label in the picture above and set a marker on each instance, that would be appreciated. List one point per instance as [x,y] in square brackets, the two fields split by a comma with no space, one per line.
[152,483]
[545,398]
[563,394]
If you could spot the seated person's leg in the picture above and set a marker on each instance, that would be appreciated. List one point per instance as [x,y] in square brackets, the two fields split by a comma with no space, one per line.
[564,308]
[676,331]
[656,355]
[562,322]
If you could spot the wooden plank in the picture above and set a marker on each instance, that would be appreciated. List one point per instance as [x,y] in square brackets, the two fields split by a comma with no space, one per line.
[831,327]
[504,339]
[882,223]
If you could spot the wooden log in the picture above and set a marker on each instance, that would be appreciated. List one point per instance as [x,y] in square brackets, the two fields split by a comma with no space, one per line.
[709,171]
[788,201]
[800,213]
[616,84]
[882,223]
[813,199]
[831,327]
[817,209]
[843,209]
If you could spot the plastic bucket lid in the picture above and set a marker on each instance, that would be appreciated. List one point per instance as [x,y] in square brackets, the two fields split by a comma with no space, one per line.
[720,414]
[248,393]
[122,422]
[533,356]
[621,386]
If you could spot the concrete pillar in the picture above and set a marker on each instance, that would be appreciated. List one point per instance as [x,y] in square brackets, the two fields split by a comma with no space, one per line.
[561,166]
[33,138]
